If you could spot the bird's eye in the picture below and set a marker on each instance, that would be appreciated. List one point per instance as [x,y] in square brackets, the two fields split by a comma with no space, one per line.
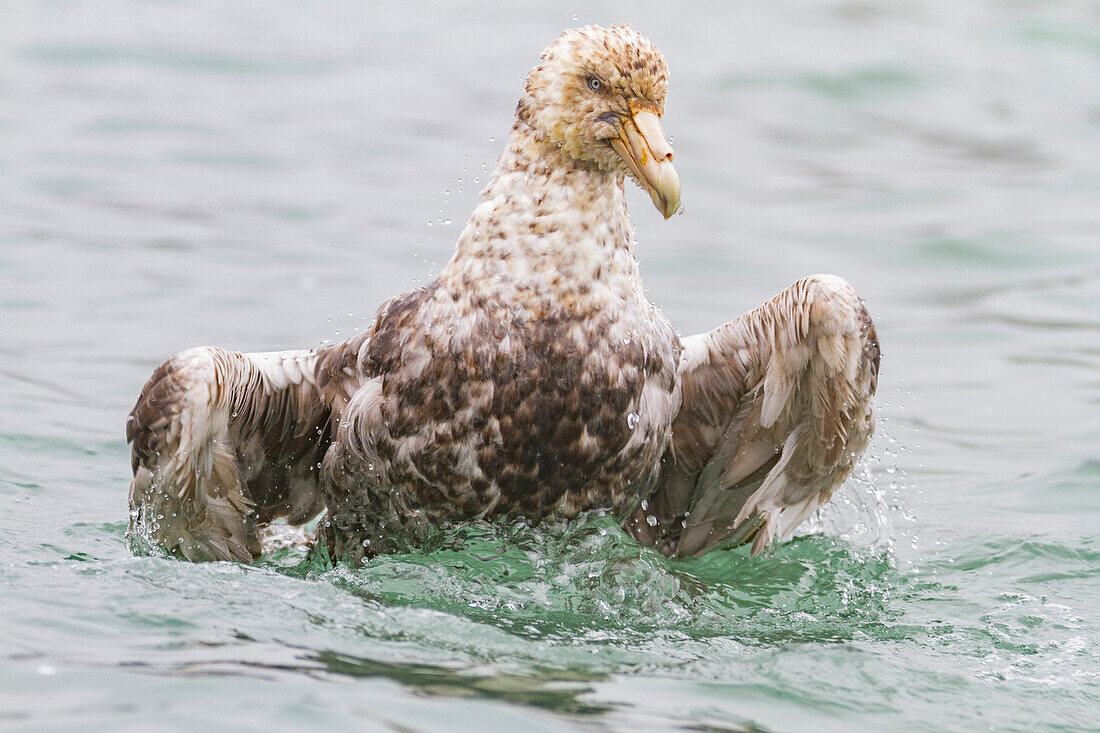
[594,84]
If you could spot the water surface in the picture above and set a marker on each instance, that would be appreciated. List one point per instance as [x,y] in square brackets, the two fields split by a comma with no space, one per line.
[262,176]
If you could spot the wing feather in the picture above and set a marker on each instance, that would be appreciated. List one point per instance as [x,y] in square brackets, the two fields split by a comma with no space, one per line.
[222,440]
[776,407]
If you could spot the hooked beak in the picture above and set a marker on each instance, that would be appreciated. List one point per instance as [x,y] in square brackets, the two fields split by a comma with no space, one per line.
[642,146]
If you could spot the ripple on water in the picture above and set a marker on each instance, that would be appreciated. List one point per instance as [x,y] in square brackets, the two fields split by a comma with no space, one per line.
[553,615]
[587,579]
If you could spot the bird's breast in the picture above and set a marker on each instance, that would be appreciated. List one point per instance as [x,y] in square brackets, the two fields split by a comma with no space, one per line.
[528,412]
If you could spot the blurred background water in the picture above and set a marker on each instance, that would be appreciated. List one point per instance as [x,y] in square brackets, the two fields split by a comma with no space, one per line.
[262,175]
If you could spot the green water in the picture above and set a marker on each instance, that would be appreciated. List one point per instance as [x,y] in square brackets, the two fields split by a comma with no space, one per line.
[262,176]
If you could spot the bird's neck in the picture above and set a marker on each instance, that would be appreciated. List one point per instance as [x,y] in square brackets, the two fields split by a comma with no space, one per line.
[547,222]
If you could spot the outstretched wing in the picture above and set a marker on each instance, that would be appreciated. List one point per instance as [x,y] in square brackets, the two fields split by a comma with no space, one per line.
[222,440]
[776,408]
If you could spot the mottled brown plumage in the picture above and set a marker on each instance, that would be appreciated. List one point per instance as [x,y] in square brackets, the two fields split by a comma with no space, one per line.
[532,377]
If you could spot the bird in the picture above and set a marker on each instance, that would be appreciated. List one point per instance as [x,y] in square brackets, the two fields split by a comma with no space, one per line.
[531,378]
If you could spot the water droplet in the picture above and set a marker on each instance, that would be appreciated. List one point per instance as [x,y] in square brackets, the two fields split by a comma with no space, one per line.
[651,520]
[632,420]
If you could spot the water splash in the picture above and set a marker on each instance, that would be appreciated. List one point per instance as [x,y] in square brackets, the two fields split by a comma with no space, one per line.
[572,579]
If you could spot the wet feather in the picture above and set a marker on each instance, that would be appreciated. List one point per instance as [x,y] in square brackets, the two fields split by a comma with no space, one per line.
[532,377]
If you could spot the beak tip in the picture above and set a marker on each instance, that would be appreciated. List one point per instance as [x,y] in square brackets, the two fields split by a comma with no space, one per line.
[666,192]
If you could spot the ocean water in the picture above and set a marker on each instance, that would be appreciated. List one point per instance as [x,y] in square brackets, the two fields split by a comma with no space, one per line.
[262,175]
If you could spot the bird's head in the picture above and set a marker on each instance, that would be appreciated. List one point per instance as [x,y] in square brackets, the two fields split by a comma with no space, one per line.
[598,94]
